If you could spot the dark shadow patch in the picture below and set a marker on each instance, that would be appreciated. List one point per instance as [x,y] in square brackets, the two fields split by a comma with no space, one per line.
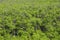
[58,32]
[58,18]
[2,34]
[40,10]
[36,25]
[49,7]
[43,29]
[6,27]
[31,34]
[21,26]
[20,34]
[14,32]
[14,21]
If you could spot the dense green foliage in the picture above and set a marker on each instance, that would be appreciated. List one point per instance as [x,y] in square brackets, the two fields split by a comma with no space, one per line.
[29,19]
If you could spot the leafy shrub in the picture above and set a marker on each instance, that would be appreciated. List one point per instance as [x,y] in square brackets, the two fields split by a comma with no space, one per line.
[30,20]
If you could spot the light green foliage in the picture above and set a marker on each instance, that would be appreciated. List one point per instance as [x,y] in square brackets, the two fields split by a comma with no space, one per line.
[29,19]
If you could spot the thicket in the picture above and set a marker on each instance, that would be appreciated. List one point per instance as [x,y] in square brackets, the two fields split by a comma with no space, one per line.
[30,21]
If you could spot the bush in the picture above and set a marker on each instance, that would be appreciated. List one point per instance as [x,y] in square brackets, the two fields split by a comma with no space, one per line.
[29,20]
